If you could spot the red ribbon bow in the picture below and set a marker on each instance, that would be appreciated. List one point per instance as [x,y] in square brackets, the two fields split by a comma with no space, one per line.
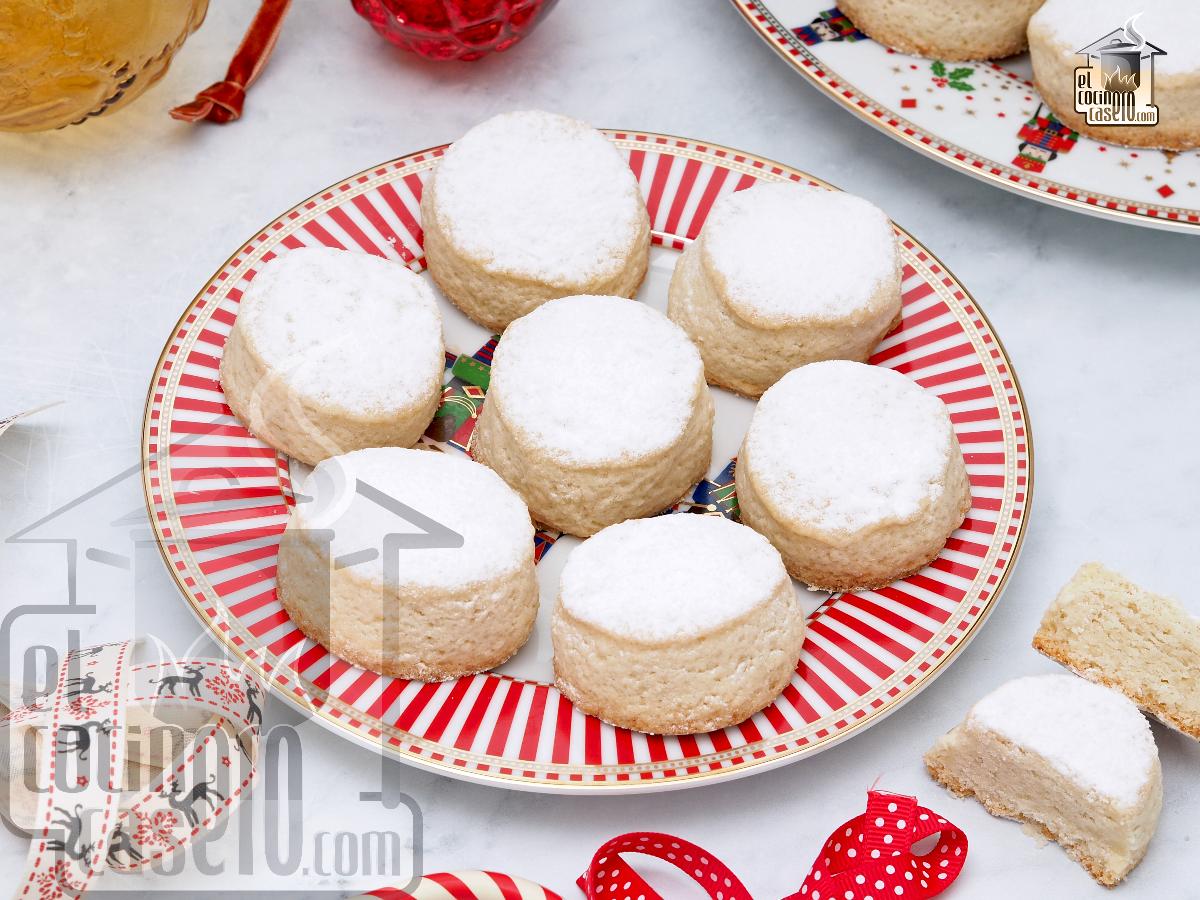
[868,858]
[871,858]
[222,102]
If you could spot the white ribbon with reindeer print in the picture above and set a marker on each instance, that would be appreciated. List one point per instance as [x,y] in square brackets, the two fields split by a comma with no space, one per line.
[124,763]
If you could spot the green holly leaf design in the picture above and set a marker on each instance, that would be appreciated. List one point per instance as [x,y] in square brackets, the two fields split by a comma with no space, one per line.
[938,68]
[960,74]
[961,86]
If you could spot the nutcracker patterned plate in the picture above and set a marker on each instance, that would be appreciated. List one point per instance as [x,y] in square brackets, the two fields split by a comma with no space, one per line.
[219,499]
[982,118]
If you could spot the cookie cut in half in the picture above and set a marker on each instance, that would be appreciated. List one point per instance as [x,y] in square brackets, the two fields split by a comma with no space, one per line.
[1063,27]
[529,206]
[1072,758]
[333,351]
[854,473]
[597,412]
[1107,629]
[411,563]
[736,294]
[643,643]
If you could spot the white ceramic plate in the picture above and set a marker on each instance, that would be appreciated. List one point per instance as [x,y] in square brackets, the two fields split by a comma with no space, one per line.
[982,118]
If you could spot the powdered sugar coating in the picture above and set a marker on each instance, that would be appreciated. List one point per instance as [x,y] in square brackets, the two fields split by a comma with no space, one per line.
[1089,733]
[456,493]
[841,445]
[638,578]
[539,195]
[358,331]
[595,379]
[756,238]
[1173,25]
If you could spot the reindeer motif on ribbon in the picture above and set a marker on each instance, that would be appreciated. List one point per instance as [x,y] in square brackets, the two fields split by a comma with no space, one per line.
[185,800]
[78,839]
[77,739]
[192,681]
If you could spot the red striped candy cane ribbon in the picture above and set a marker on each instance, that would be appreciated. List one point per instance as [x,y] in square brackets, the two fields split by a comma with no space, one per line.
[466,886]
[106,711]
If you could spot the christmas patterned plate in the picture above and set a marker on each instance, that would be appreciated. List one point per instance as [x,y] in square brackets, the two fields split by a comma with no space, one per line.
[982,118]
[219,499]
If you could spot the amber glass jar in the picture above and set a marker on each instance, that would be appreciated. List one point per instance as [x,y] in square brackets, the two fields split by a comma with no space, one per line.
[64,61]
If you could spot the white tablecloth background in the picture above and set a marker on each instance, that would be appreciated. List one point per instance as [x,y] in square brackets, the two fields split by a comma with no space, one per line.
[110,228]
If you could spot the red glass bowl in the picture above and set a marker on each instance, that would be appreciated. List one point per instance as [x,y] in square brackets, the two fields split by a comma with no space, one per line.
[453,29]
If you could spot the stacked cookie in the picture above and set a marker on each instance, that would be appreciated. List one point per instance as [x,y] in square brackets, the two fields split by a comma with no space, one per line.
[598,417]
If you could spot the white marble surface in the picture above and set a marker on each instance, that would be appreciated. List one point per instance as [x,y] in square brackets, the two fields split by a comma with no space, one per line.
[111,227]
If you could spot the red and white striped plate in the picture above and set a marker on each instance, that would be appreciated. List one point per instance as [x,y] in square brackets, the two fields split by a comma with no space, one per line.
[219,498]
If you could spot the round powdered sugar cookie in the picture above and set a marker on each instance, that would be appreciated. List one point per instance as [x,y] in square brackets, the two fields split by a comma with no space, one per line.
[332,351]
[642,643]
[411,563]
[945,29]
[1074,759]
[597,412]
[1062,27]
[735,290]
[854,473]
[529,206]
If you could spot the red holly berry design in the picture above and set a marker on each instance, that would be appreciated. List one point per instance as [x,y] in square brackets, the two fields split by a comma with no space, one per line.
[955,78]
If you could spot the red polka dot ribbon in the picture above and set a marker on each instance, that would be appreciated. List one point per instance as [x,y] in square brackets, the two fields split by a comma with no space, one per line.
[868,858]
[871,857]
[610,877]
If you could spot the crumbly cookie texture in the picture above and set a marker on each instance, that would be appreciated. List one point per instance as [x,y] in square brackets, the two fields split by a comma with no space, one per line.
[1147,646]
[529,206]
[597,412]
[735,289]
[945,29]
[1074,759]
[641,643]
[1061,27]
[854,473]
[410,563]
[333,351]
